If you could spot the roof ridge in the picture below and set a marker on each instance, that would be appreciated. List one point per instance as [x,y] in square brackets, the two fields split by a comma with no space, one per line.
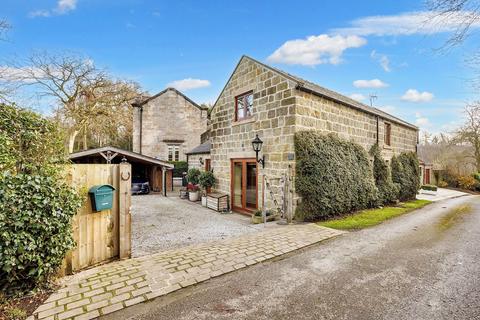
[328,93]
[141,103]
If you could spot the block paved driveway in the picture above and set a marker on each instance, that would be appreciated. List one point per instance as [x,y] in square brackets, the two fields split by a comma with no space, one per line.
[161,223]
[112,287]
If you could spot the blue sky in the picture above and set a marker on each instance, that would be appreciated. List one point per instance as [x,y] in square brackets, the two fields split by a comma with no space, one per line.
[357,48]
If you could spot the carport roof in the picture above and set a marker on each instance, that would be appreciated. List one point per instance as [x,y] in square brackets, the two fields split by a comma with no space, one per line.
[121,152]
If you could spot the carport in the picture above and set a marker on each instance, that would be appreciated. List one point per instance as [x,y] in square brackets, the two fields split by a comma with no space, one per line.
[158,172]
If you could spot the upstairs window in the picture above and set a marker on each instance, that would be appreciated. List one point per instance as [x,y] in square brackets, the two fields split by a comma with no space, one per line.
[387,134]
[244,106]
[173,153]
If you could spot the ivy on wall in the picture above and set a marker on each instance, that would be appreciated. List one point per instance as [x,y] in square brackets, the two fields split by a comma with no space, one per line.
[333,176]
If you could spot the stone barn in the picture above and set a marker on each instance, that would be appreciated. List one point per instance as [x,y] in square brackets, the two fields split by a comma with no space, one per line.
[264,101]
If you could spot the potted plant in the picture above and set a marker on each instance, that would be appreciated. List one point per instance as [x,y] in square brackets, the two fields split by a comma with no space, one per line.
[257,216]
[206,181]
[192,178]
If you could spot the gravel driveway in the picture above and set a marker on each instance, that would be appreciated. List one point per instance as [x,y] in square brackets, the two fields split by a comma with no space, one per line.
[160,223]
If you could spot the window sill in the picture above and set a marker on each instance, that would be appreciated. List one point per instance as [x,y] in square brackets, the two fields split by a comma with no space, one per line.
[243,121]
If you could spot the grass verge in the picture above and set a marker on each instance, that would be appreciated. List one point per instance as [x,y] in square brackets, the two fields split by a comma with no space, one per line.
[454,216]
[372,217]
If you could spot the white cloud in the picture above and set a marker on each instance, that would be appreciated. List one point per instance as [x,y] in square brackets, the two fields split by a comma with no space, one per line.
[421,121]
[22,74]
[189,83]
[385,63]
[420,22]
[374,83]
[358,96]
[315,50]
[62,7]
[382,59]
[413,95]
[39,13]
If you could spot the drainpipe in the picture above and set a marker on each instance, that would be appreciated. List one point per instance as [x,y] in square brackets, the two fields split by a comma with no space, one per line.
[418,141]
[377,130]
[141,128]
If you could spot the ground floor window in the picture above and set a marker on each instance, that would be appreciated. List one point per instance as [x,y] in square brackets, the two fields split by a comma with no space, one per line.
[173,152]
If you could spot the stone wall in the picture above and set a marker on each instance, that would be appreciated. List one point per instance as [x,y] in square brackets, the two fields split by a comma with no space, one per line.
[321,114]
[168,119]
[280,110]
[273,120]
[194,160]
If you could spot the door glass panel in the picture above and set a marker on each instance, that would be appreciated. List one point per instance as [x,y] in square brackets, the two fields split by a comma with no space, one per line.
[237,184]
[251,185]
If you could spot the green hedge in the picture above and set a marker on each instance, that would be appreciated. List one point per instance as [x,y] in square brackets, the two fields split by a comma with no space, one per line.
[429,187]
[333,176]
[387,190]
[29,143]
[36,206]
[406,175]
[35,228]
[180,168]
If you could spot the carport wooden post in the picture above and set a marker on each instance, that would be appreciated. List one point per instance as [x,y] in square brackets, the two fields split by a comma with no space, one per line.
[124,205]
[164,181]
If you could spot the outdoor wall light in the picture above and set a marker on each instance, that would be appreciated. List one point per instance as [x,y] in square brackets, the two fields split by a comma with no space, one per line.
[257,147]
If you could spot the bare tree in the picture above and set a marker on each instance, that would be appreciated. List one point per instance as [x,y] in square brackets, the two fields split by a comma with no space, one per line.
[465,14]
[83,92]
[4,26]
[469,133]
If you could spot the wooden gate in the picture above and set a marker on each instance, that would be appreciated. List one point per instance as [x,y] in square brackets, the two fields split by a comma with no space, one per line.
[100,236]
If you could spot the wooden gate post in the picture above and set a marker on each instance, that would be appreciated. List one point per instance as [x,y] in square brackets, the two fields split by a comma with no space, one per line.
[125,220]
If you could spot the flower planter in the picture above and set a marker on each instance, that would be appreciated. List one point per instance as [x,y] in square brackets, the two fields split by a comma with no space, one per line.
[204,201]
[259,219]
[193,195]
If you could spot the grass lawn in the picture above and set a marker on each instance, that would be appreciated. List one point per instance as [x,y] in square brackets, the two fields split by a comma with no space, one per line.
[372,217]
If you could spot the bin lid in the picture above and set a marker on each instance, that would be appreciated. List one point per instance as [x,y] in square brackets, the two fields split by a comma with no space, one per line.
[101,187]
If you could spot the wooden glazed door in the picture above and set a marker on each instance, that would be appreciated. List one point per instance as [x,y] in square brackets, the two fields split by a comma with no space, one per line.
[244,185]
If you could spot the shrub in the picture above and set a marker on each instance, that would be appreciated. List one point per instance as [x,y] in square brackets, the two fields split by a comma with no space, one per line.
[406,174]
[387,190]
[14,313]
[442,184]
[206,179]
[477,176]
[466,182]
[193,175]
[36,206]
[450,177]
[29,143]
[429,187]
[180,168]
[35,228]
[334,176]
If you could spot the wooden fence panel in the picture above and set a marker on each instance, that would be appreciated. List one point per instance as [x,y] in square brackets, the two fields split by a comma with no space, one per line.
[98,234]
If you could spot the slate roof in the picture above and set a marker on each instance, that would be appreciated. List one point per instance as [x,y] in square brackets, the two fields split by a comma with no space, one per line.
[143,101]
[201,149]
[315,89]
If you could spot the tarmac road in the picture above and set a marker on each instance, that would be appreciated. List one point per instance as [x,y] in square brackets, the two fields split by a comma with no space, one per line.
[423,265]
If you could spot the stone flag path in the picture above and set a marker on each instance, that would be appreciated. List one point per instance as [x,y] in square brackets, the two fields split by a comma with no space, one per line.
[121,284]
